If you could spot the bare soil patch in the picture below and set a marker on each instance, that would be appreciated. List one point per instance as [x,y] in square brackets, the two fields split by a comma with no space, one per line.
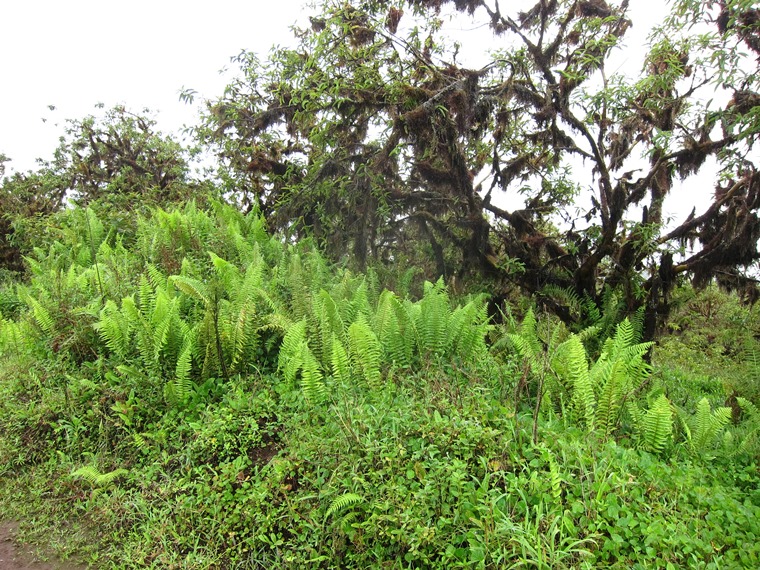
[15,556]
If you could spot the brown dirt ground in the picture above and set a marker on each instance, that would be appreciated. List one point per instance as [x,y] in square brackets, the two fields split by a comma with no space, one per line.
[15,556]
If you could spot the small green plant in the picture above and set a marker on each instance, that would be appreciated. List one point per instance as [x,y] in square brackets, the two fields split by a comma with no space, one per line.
[99,482]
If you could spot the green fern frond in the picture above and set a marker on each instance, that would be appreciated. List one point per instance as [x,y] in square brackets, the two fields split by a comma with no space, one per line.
[157,279]
[297,282]
[705,426]
[131,312]
[433,319]
[394,330]
[146,295]
[356,303]
[16,337]
[244,333]
[193,288]
[228,274]
[161,335]
[181,386]
[340,362]
[468,327]
[748,408]
[290,356]
[252,280]
[637,323]
[115,330]
[529,344]
[95,228]
[563,296]
[365,351]
[525,349]
[141,442]
[624,337]
[312,383]
[591,310]
[328,323]
[295,335]
[95,478]
[635,413]
[577,370]
[655,430]
[612,378]
[42,316]
[343,502]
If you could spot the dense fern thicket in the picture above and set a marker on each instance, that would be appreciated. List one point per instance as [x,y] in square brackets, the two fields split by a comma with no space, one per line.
[199,394]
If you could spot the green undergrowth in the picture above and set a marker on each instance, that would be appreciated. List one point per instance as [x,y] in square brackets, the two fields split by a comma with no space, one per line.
[198,395]
[712,346]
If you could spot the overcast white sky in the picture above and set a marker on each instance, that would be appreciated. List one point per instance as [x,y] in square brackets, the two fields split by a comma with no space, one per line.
[76,53]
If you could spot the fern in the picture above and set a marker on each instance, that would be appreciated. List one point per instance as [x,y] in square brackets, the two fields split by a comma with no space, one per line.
[613,379]
[192,287]
[42,316]
[146,295]
[297,282]
[243,332]
[96,479]
[162,318]
[703,428]
[353,296]
[619,371]
[295,356]
[115,330]
[365,351]
[394,330]
[312,384]
[328,324]
[752,422]
[157,279]
[467,329]
[526,342]
[655,426]
[341,365]
[16,337]
[748,408]
[433,320]
[564,296]
[180,388]
[343,502]
[290,357]
[576,365]
[141,442]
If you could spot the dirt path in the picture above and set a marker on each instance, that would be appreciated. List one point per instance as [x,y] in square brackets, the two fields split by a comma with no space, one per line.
[15,557]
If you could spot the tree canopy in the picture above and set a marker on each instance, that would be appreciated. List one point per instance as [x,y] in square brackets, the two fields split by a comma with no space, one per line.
[119,157]
[371,137]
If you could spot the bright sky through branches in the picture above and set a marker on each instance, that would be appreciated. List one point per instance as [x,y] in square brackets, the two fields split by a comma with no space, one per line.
[140,53]
[74,55]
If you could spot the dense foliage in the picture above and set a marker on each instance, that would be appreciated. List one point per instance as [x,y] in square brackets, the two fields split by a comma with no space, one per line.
[119,158]
[370,134]
[293,364]
[202,381]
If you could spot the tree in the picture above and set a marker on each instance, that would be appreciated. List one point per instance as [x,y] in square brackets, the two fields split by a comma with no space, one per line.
[370,137]
[119,158]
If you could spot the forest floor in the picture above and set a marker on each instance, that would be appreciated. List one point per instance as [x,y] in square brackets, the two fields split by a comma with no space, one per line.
[19,557]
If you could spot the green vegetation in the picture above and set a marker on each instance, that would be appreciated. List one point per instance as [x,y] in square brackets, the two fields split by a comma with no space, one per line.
[202,396]
[339,351]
